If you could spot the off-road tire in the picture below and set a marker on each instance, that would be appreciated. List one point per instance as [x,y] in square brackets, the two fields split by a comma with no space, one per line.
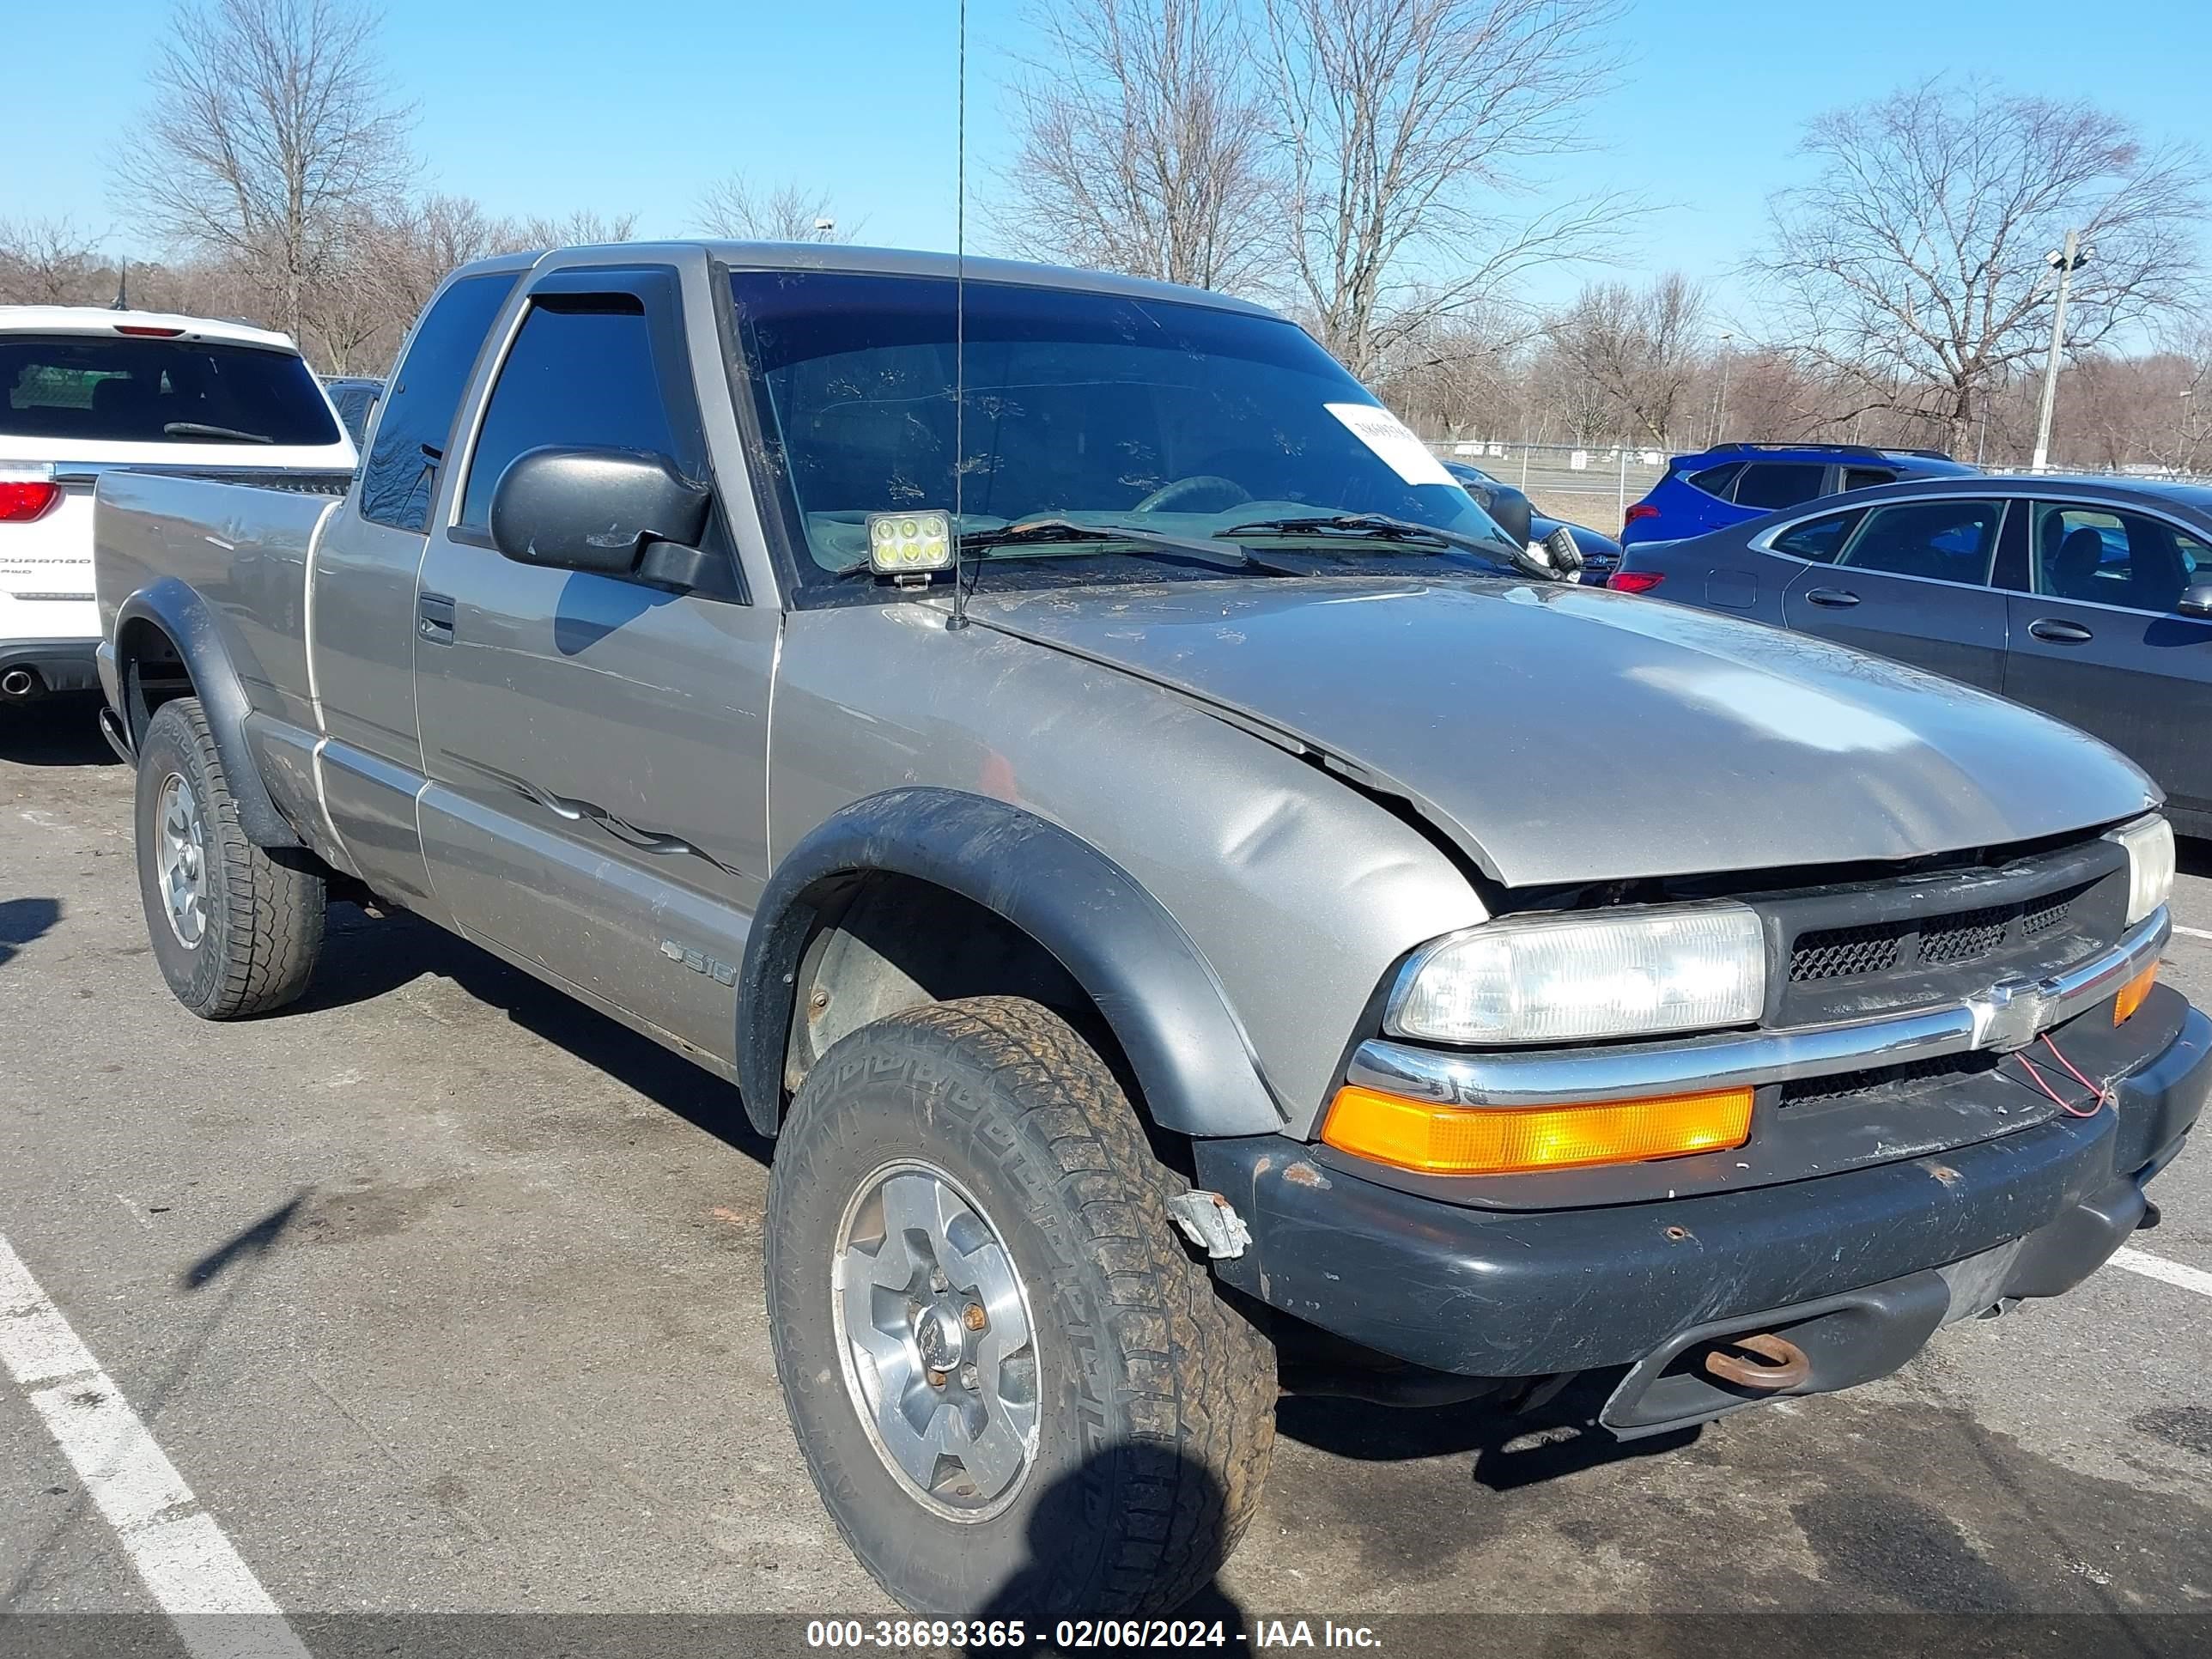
[264,919]
[1158,1396]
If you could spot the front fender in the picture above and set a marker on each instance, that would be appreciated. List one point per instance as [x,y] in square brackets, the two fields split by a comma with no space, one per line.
[181,614]
[1192,1058]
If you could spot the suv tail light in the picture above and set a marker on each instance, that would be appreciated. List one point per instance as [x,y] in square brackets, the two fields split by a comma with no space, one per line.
[1641,510]
[1634,581]
[22,500]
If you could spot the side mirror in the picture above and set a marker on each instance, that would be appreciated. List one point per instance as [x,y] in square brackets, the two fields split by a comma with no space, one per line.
[1510,508]
[594,509]
[2196,599]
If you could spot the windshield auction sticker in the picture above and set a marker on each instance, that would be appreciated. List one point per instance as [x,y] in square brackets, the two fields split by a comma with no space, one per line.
[1391,439]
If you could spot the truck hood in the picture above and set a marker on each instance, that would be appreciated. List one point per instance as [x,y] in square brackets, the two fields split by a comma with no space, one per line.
[1564,733]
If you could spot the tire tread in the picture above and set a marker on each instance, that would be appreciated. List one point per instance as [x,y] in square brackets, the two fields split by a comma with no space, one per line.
[274,913]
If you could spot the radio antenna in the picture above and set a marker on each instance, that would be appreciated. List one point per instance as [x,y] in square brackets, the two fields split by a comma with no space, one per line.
[960,584]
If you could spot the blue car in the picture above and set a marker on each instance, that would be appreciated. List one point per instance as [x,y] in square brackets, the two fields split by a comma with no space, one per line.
[1733,483]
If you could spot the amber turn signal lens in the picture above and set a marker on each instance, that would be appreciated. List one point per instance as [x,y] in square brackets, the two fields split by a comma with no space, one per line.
[1418,1134]
[2132,994]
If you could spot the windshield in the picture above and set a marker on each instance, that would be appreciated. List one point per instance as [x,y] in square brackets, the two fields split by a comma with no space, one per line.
[123,389]
[1188,420]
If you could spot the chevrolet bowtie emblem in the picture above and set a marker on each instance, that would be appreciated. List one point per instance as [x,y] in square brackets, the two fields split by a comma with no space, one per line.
[2009,1014]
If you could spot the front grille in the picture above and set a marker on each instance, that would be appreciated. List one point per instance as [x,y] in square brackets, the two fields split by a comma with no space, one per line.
[1834,953]
[1962,939]
[1845,953]
[1846,1085]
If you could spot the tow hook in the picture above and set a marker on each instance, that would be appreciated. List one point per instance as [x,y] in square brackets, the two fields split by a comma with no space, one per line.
[1784,1364]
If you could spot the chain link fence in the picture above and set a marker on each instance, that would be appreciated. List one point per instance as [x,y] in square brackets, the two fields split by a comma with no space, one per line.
[1589,484]
[1592,484]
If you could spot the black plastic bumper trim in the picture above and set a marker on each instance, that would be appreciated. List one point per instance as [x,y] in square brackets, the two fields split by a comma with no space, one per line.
[60,665]
[1493,1293]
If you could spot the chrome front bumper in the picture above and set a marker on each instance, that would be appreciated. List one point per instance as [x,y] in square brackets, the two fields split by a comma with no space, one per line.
[2009,1015]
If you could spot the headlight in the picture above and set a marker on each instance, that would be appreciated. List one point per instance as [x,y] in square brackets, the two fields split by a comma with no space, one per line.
[2149,843]
[1560,979]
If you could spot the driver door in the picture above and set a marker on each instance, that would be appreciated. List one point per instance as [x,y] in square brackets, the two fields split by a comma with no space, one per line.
[597,746]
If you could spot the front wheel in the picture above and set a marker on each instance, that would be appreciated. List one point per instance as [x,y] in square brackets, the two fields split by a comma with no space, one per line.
[1017,1395]
[236,933]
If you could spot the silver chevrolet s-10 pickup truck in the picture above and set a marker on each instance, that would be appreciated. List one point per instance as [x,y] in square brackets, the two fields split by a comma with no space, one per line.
[1129,824]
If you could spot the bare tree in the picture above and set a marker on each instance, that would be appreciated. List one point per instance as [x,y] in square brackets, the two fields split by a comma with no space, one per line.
[1406,126]
[736,208]
[1640,347]
[271,130]
[585,228]
[1918,251]
[1143,144]
[52,263]
[406,254]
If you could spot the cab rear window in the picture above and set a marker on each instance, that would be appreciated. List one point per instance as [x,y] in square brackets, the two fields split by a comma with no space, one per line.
[114,390]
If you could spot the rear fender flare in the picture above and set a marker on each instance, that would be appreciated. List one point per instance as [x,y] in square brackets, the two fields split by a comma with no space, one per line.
[1190,1054]
[189,622]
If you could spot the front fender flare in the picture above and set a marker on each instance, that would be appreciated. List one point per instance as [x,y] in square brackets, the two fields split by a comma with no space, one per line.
[1190,1054]
[189,622]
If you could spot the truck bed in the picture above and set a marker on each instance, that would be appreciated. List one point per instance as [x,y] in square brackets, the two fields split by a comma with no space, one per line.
[243,547]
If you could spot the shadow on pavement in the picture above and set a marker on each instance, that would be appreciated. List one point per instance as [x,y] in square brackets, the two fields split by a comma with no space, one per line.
[22,919]
[58,731]
[365,956]
[1512,1448]
[252,1241]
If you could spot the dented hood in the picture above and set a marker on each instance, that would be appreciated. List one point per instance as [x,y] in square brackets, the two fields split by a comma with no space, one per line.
[1563,734]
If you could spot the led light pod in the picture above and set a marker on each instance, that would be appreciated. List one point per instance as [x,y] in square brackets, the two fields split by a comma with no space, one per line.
[909,544]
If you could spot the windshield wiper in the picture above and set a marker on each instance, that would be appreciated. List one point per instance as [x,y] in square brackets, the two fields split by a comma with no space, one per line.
[196,430]
[1380,526]
[1054,532]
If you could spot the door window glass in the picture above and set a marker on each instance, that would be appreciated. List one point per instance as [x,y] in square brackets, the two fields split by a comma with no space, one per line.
[1947,541]
[400,477]
[1779,484]
[1818,539]
[580,373]
[2102,557]
[1865,477]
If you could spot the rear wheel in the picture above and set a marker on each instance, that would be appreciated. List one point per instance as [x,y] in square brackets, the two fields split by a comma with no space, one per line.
[1016,1393]
[235,931]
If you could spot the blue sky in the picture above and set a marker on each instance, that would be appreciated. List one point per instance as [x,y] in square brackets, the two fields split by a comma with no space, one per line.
[542,106]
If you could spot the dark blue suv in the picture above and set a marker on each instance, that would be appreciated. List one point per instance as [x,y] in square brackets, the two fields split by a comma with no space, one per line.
[1730,483]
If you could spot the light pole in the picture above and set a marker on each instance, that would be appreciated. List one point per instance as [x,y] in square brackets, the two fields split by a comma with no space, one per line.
[2065,261]
[2181,437]
[1720,392]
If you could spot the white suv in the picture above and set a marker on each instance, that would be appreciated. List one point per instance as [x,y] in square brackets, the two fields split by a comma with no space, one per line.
[82,389]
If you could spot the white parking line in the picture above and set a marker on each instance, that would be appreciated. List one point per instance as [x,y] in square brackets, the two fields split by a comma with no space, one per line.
[2157,1266]
[2193,932]
[217,1605]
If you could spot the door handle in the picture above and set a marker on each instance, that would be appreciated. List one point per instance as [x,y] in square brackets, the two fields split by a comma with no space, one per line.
[434,618]
[2057,632]
[1836,598]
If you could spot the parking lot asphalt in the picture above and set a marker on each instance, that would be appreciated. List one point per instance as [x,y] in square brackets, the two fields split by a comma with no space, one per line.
[440,1293]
